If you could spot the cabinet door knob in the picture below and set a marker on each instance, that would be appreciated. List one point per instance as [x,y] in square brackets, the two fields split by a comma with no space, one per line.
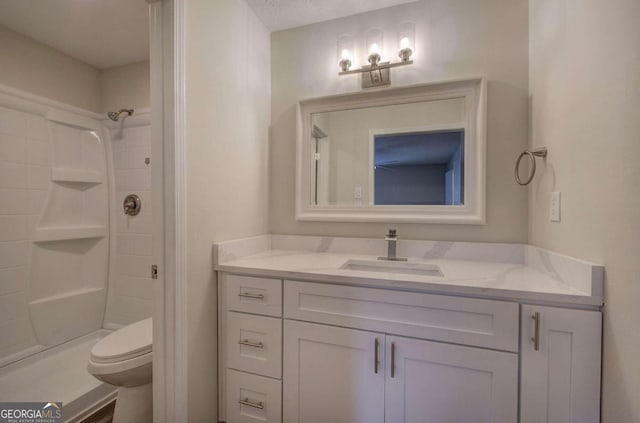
[257,404]
[393,359]
[251,344]
[536,331]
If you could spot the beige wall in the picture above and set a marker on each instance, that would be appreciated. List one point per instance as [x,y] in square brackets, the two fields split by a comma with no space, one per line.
[227,129]
[34,67]
[125,87]
[454,39]
[585,79]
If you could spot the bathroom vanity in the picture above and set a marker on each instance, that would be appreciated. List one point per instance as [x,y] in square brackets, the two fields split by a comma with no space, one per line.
[318,329]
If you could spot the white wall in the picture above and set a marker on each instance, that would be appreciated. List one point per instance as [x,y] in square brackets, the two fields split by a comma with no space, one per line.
[125,87]
[39,69]
[130,286]
[227,129]
[34,67]
[585,79]
[454,39]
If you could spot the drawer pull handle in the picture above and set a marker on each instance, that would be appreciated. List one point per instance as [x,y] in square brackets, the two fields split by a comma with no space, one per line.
[250,295]
[248,403]
[251,344]
[393,359]
[536,331]
[376,357]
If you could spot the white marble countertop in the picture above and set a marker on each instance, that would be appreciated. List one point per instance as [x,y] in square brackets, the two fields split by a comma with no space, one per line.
[527,274]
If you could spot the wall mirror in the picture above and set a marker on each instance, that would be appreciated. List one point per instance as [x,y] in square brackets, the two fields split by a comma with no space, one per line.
[410,154]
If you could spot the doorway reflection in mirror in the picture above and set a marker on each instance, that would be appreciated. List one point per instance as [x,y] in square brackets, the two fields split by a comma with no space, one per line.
[418,168]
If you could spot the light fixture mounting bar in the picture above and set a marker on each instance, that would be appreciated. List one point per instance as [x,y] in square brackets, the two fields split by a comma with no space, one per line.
[385,65]
[376,75]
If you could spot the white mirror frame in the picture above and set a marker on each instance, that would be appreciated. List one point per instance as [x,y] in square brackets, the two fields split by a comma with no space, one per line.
[474,92]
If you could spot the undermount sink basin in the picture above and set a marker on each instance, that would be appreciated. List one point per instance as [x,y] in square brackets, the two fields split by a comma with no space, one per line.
[398,267]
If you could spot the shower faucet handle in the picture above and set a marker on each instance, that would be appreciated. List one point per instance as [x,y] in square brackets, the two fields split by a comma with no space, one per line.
[132,205]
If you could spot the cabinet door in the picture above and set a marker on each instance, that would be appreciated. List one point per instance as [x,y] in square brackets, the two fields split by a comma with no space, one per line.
[330,374]
[443,383]
[560,376]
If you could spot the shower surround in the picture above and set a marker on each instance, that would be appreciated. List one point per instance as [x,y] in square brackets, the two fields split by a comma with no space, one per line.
[54,251]
[55,228]
[71,264]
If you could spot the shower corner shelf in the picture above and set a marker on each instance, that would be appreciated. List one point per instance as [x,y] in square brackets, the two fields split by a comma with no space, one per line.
[68,233]
[86,176]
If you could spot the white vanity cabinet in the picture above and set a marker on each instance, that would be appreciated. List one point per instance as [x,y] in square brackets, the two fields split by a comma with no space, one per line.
[250,349]
[560,365]
[307,352]
[391,378]
[436,382]
[331,374]
[341,375]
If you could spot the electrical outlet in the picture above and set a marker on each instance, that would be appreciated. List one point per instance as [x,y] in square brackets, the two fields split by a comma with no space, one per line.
[554,207]
[357,193]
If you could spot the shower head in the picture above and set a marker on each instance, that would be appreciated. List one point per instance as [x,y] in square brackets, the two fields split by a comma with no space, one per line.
[114,116]
[317,133]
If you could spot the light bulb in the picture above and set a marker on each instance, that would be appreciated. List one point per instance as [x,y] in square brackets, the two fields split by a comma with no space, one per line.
[345,51]
[406,37]
[375,43]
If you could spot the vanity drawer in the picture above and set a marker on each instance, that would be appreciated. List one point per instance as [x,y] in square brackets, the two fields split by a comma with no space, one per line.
[459,320]
[253,295]
[254,344]
[252,399]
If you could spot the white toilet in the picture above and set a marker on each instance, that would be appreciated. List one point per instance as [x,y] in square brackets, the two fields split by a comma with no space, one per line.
[123,359]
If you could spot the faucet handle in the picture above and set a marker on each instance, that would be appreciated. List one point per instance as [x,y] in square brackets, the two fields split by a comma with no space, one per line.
[391,234]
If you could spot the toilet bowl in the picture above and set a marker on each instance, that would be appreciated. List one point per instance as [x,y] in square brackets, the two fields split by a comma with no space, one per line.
[123,359]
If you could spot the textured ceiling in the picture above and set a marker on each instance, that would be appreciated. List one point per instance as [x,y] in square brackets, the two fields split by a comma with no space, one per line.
[284,14]
[102,33]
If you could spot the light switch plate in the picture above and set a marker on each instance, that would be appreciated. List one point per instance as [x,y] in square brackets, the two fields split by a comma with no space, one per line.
[554,207]
[357,193]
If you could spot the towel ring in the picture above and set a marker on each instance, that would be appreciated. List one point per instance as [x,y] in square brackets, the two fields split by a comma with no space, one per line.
[538,152]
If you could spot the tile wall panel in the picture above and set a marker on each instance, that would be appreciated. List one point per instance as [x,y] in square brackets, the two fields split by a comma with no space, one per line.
[130,287]
[25,166]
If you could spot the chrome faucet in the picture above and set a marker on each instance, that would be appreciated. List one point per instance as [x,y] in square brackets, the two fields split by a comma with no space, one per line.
[392,240]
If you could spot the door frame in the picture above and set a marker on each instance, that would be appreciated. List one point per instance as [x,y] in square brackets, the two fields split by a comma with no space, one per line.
[166,39]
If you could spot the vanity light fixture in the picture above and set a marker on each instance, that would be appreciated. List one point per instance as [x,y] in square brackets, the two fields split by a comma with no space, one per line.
[377,73]
[405,41]
[374,44]
[345,52]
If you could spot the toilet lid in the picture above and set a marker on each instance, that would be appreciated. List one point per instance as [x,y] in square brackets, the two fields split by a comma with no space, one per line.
[125,343]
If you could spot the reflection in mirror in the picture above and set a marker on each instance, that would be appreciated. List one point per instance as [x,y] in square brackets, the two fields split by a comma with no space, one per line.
[400,154]
[405,154]
[418,168]
[317,134]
